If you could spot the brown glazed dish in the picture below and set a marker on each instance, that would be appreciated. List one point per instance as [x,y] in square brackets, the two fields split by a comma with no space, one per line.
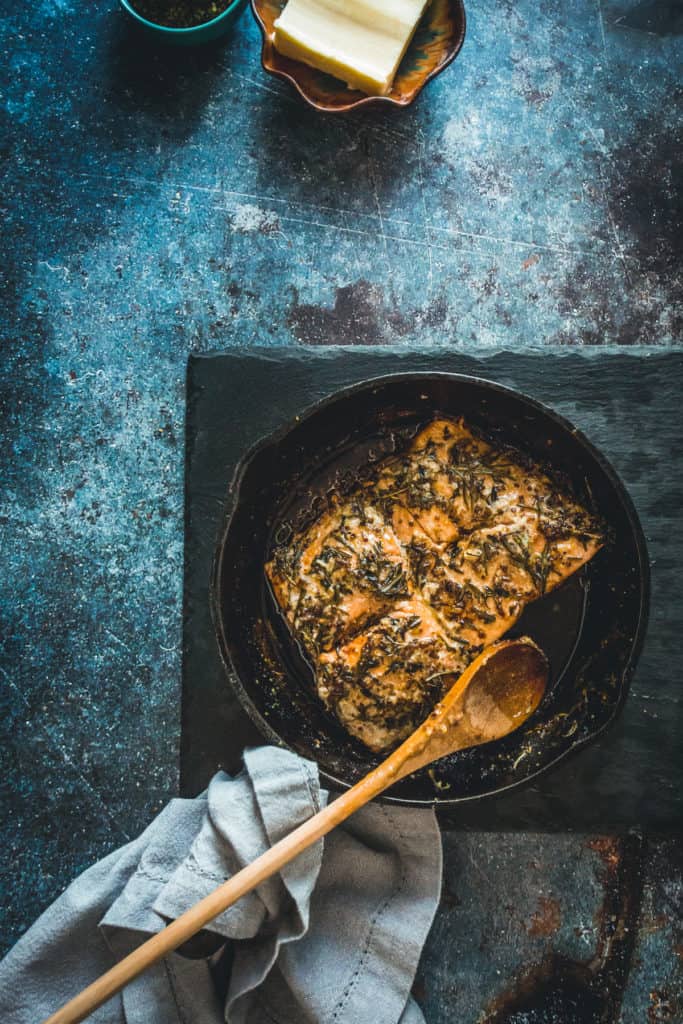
[437,41]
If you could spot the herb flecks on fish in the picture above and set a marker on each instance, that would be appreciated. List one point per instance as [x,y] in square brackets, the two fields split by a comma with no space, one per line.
[397,585]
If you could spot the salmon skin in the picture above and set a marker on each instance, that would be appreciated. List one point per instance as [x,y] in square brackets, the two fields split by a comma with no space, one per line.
[398,585]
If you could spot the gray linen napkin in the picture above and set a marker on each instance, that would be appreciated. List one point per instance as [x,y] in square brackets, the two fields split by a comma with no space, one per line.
[334,938]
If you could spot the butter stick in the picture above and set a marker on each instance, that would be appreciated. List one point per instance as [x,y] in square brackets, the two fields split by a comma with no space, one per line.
[361,42]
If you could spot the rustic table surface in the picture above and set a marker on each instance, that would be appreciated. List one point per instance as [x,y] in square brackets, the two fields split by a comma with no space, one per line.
[157,203]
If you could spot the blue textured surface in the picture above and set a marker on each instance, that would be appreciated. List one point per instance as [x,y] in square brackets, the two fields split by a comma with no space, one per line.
[154,203]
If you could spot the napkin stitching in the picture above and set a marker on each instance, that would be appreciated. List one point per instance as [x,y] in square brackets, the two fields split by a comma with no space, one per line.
[353,981]
[192,865]
[141,873]
[173,986]
[308,778]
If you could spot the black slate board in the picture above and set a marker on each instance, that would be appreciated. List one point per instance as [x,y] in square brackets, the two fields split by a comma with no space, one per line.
[628,406]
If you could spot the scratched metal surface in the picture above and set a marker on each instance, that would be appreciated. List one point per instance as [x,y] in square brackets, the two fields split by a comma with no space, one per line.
[155,204]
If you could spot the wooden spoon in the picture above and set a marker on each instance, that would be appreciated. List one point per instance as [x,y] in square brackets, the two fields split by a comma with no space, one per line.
[494,696]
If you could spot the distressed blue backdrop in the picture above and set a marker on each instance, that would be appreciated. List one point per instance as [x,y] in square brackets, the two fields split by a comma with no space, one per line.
[155,203]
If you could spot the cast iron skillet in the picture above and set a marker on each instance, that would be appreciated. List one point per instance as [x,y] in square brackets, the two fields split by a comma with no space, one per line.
[591,628]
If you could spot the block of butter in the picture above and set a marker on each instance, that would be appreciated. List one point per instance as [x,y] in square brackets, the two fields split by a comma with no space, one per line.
[360,41]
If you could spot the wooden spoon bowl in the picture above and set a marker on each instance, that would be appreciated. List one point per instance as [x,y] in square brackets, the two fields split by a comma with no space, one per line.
[493,697]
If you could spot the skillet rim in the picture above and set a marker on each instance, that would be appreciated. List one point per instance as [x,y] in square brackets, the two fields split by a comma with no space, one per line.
[272,439]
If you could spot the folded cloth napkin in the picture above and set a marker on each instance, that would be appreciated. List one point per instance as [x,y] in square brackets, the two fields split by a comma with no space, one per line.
[335,937]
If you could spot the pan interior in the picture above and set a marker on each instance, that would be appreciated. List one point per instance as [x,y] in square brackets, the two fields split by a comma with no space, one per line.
[588,627]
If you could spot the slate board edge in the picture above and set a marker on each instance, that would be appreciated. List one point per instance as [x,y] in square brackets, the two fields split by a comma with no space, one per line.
[297,354]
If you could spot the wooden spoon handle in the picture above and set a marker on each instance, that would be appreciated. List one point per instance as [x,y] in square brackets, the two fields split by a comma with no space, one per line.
[198,916]
[509,677]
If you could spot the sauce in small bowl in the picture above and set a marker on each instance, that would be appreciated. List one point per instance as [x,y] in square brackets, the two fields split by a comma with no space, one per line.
[190,35]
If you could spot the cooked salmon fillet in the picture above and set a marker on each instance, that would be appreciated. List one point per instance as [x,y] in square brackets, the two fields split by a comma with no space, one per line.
[344,571]
[389,676]
[397,586]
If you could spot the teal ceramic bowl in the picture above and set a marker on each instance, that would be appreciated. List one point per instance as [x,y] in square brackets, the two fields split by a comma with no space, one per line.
[204,33]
